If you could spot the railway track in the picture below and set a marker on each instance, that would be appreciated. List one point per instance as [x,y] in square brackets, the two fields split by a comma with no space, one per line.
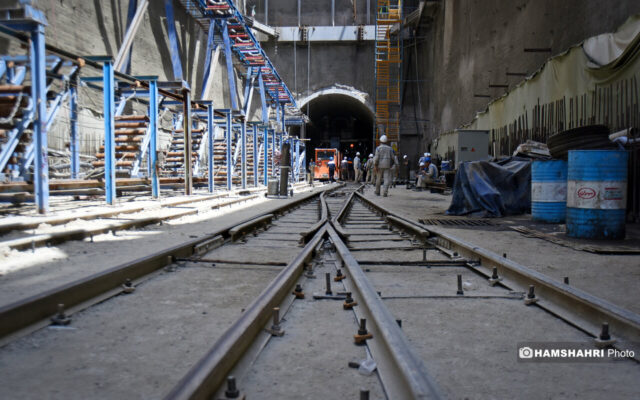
[272,308]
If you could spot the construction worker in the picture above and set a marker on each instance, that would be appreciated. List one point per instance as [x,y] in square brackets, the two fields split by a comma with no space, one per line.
[383,161]
[344,169]
[356,167]
[428,173]
[369,167]
[394,171]
[332,169]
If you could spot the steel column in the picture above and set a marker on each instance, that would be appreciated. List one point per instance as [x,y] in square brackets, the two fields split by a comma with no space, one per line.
[297,166]
[39,96]
[153,144]
[255,155]
[173,41]
[74,145]
[211,182]
[208,58]
[228,55]
[282,107]
[273,151]
[263,99]
[265,164]
[108,85]
[229,142]
[124,53]
[243,152]
[186,122]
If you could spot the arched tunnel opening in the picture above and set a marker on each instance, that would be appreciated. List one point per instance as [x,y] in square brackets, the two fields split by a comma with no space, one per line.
[339,121]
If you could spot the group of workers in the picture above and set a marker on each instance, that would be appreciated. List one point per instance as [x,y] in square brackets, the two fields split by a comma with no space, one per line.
[382,169]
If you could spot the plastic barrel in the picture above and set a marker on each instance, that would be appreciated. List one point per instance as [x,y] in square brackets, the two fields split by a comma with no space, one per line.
[549,191]
[597,194]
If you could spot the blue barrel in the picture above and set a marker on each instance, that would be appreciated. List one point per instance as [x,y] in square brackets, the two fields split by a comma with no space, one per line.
[549,191]
[445,166]
[597,194]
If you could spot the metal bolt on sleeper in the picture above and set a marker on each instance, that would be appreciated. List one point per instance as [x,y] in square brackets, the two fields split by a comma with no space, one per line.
[460,292]
[127,286]
[61,318]
[495,278]
[604,339]
[328,291]
[531,296]
[232,391]
[349,302]
[363,335]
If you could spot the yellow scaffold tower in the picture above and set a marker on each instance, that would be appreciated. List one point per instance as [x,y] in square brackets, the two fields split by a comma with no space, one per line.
[388,71]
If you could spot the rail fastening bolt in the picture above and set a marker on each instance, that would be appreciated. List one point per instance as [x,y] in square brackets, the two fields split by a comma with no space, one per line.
[424,254]
[532,293]
[61,318]
[604,333]
[494,274]
[460,292]
[128,287]
[328,292]
[363,327]
[232,391]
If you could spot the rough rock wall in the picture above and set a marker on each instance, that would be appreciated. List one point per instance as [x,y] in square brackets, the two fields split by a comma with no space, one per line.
[464,46]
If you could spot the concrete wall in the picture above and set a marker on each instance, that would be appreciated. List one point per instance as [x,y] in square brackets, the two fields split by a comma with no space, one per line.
[464,46]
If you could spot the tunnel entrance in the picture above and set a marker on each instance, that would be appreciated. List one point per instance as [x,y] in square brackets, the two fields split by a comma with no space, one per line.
[339,121]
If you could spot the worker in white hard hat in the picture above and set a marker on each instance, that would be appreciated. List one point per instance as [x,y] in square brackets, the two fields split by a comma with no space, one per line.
[344,169]
[383,161]
[356,167]
[369,167]
[428,173]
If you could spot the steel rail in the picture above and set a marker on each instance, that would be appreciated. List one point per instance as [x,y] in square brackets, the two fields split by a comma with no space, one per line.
[305,236]
[577,307]
[204,378]
[403,374]
[32,313]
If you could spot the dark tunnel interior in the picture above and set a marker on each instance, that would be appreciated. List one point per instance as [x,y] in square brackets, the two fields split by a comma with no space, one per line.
[339,121]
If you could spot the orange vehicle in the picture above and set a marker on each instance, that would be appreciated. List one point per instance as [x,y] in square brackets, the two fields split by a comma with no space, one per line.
[323,156]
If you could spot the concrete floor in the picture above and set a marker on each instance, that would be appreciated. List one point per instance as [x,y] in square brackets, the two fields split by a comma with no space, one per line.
[49,267]
[612,277]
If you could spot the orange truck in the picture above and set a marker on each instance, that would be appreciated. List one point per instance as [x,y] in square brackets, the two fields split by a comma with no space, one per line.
[323,156]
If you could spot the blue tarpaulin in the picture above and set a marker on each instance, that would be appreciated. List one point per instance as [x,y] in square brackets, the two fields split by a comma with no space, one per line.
[492,189]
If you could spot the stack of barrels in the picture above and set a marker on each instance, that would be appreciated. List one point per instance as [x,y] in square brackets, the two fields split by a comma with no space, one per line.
[588,193]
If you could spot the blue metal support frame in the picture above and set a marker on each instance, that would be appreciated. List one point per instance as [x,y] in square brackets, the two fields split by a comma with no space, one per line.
[39,96]
[243,152]
[297,166]
[266,155]
[263,99]
[211,182]
[273,151]
[153,144]
[108,91]
[211,46]
[228,133]
[131,12]
[74,145]
[228,55]
[255,153]
[173,40]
